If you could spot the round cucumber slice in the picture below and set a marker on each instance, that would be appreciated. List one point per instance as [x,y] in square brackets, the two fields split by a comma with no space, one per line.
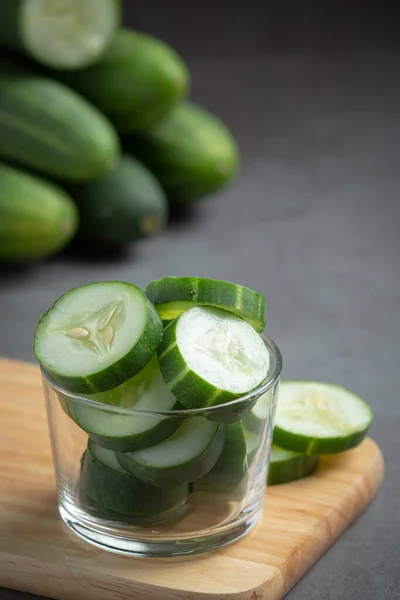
[97,336]
[319,418]
[174,295]
[68,34]
[231,465]
[105,482]
[97,510]
[187,455]
[124,430]
[209,356]
[286,465]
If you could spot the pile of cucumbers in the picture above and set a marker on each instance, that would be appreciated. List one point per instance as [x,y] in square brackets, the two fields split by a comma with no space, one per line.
[142,361]
[97,137]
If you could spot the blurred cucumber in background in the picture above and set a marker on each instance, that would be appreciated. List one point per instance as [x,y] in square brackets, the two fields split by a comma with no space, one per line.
[37,218]
[137,82]
[190,151]
[64,34]
[76,90]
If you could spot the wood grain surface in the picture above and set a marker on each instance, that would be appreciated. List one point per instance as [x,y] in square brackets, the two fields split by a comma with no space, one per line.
[39,554]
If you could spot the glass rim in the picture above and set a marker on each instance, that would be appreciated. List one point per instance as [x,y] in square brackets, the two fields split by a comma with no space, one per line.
[272,377]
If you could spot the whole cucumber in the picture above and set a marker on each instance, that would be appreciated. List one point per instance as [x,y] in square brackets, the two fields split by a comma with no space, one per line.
[136,83]
[124,205]
[37,218]
[48,127]
[191,153]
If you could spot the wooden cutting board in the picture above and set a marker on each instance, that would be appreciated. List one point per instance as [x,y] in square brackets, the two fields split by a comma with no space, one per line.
[39,554]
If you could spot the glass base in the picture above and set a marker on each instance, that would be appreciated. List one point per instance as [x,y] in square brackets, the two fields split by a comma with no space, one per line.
[147,542]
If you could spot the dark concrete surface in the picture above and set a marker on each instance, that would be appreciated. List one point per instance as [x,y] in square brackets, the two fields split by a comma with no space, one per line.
[313,222]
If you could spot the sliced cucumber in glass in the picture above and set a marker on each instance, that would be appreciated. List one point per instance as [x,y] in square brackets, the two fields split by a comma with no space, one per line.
[231,466]
[253,442]
[98,511]
[232,412]
[188,454]
[209,356]
[286,465]
[174,295]
[66,34]
[144,394]
[254,419]
[97,336]
[105,482]
[319,418]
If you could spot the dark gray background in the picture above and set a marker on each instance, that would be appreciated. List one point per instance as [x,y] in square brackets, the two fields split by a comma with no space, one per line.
[312,94]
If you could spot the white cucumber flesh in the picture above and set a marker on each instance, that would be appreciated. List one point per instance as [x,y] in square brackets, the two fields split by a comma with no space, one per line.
[68,34]
[97,336]
[209,356]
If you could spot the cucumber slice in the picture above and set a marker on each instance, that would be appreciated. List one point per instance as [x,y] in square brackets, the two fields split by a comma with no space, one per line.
[66,34]
[231,466]
[105,482]
[97,510]
[209,356]
[286,465]
[319,418]
[187,455]
[173,295]
[123,430]
[97,336]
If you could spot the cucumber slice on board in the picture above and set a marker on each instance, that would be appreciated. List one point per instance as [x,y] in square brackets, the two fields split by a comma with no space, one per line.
[286,465]
[209,356]
[105,482]
[173,295]
[64,34]
[231,466]
[97,336]
[187,455]
[319,418]
[126,431]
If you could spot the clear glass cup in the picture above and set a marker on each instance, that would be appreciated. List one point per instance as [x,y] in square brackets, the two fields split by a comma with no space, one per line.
[152,521]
